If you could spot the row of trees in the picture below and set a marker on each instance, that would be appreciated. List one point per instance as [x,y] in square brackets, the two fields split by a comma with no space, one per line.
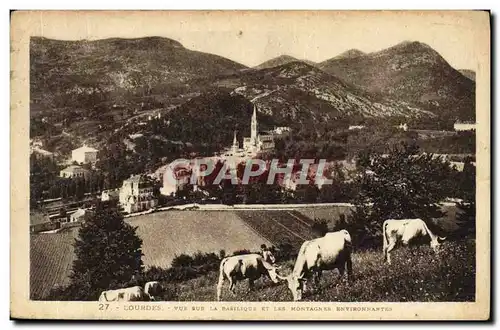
[45,182]
[404,185]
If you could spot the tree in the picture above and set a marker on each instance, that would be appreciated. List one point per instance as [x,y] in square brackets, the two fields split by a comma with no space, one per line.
[467,207]
[320,227]
[402,184]
[108,253]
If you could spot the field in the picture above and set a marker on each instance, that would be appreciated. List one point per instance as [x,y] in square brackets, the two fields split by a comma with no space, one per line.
[331,214]
[164,235]
[51,256]
[416,274]
[279,226]
[168,234]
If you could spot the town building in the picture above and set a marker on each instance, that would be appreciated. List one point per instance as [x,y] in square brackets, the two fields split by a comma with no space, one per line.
[73,171]
[110,195]
[137,194]
[464,126]
[403,127]
[175,180]
[281,130]
[84,155]
[80,215]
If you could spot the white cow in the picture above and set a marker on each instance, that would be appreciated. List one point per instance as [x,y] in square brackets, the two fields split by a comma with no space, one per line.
[245,266]
[325,253]
[404,230]
[153,289]
[135,293]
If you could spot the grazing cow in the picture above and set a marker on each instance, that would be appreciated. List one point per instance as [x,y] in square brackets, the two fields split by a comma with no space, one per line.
[245,266]
[325,253]
[404,231]
[153,289]
[135,293]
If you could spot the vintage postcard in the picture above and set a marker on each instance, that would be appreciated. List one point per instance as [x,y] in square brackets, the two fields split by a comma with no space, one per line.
[250,165]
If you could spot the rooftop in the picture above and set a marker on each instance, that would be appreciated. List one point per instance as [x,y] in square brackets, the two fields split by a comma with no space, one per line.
[73,168]
[86,149]
[137,179]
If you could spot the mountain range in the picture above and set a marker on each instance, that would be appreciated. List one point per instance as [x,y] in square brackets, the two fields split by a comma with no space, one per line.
[154,73]
[412,72]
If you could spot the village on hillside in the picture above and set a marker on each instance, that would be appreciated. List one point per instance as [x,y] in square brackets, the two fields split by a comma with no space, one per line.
[147,192]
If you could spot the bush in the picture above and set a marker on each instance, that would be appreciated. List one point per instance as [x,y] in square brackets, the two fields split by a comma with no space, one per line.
[284,252]
[320,227]
[182,260]
[240,252]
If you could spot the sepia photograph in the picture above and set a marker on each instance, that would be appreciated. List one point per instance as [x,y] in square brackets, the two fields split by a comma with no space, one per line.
[250,165]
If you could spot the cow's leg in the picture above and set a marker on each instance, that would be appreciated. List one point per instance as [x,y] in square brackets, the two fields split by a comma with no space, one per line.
[251,284]
[232,284]
[219,285]
[350,275]
[317,279]
[341,269]
[391,246]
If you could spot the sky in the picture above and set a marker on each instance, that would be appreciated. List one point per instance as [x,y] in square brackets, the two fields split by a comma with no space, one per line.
[253,37]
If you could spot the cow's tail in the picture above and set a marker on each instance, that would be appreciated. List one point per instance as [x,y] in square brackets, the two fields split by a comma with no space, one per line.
[385,238]
[221,278]
[348,248]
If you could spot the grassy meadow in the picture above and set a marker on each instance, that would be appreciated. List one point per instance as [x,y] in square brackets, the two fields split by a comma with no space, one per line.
[416,274]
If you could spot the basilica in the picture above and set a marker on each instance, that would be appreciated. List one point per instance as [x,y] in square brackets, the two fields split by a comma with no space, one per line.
[253,144]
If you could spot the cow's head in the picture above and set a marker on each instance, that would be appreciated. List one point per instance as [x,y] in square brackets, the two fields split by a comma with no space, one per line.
[295,284]
[273,274]
[435,243]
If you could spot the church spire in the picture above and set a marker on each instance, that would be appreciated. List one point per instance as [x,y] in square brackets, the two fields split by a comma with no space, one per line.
[253,126]
[235,143]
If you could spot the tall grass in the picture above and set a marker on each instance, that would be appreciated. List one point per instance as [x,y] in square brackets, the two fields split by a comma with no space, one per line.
[416,274]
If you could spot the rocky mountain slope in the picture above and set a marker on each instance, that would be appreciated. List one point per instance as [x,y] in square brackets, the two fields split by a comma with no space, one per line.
[351,53]
[84,73]
[300,93]
[281,60]
[411,72]
[95,88]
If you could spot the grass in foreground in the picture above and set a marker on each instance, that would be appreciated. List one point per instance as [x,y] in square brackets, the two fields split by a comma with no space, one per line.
[416,274]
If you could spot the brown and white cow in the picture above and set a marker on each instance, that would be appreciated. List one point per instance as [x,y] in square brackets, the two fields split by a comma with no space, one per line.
[153,289]
[246,266]
[325,253]
[404,231]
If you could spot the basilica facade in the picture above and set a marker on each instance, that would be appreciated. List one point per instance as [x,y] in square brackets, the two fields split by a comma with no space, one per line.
[253,144]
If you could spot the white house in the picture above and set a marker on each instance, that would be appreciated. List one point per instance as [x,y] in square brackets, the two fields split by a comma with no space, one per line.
[465,126]
[79,215]
[73,171]
[137,194]
[84,155]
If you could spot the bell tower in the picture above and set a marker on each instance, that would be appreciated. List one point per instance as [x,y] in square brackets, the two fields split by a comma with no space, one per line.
[253,127]
[235,144]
